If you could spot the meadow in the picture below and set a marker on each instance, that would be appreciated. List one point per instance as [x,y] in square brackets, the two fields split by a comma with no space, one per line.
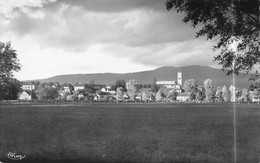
[76,132]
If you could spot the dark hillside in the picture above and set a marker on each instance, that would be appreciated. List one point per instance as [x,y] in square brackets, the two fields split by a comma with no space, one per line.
[199,73]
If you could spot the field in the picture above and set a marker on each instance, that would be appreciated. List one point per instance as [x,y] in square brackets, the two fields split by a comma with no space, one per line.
[179,133]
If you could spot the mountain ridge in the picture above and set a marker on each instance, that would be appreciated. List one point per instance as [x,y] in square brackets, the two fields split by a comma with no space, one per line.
[197,72]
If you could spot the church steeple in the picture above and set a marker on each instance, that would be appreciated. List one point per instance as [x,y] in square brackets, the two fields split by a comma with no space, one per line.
[179,77]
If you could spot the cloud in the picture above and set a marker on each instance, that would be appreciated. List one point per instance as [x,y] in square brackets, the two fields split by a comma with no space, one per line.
[87,34]
[116,5]
[11,8]
[75,29]
[190,52]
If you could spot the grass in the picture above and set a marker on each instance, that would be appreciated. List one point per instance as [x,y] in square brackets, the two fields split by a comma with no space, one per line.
[130,132]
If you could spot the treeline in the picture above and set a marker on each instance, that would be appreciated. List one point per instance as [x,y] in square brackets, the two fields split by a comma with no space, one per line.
[212,93]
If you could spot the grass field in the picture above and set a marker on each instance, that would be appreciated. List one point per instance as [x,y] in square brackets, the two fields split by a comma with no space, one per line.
[130,132]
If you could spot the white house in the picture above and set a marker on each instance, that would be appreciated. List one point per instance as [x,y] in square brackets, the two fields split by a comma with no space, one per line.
[108,89]
[79,87]
[25,96]
[183,96]
[65,87]
[28,86]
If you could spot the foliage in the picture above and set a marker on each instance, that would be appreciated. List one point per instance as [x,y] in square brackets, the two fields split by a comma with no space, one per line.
[191,86]
[143,95]
[172,94]
[252,87]
[121,83]
[230,21]
[71,88]
[154,87]
[131,92]
[255,93]
[210,90]
[226,94]
[119,94]
[47,93]
[218,94]
[200,95]
[10,89]
[256,78]
[72,97]
[64,94]
[208,84]
[245,94]
[9,63]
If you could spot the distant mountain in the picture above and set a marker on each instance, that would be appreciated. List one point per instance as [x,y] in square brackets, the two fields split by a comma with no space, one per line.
[199,73]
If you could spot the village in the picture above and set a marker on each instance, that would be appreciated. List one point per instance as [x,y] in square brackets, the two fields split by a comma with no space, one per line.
[132,91]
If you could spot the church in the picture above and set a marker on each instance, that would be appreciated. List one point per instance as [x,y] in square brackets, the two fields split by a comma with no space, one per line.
[177,85]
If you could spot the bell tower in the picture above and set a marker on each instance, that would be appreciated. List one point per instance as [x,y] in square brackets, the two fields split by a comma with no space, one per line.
[179,77]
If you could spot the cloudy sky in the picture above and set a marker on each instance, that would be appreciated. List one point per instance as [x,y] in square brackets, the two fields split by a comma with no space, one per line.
[54,37]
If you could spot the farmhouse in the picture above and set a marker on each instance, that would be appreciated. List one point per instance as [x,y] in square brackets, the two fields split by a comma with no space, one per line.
[183,96]
[65,87]
[25,96]
[108,89]
[28,86]
[79,87]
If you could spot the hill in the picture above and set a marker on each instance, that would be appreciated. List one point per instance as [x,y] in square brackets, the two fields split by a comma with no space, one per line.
[199,73]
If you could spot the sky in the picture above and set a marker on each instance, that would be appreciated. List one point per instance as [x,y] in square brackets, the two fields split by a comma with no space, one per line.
[54,37]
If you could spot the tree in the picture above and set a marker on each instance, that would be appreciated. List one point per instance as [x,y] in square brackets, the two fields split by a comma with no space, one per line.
[256,78]
[210,90]
[143,95]
[47,93]
[9,63]
[64,94]
[119,94]
[131,90]
[252,87]
[218,94]
[154,87]
[230,21]
[10,89]
[191,86]
[172,94]
[245,94]
[200,95]
[121,83]
[226,94]
[71,88]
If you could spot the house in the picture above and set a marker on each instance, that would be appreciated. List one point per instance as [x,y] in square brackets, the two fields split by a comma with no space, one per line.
[63,94]
[108,89]
[65,87]
[25,96]
[169,85]
[79,87]
[28,86]
[80,96]
[183,96]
